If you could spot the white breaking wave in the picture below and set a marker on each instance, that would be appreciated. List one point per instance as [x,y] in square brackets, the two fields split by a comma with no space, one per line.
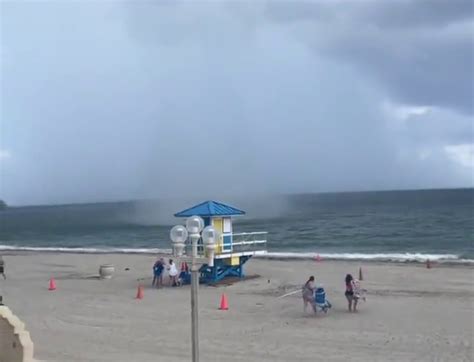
[394,257]
[86,250]
[360,256]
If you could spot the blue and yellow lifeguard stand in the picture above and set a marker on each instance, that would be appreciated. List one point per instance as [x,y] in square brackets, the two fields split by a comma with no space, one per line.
[233,250]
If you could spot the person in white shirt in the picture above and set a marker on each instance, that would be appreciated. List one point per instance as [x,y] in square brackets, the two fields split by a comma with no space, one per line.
[173,273]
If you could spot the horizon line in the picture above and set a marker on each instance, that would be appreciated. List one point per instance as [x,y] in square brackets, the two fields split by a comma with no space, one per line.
[123,201]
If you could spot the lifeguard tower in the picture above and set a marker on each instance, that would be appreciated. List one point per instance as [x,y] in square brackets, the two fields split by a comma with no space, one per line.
[232,250]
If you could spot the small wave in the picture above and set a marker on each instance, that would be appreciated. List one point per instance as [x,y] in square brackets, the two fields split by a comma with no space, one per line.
[86,250]
[396,257]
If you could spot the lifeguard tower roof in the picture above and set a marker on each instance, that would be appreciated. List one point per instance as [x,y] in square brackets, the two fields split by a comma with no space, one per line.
[210,209]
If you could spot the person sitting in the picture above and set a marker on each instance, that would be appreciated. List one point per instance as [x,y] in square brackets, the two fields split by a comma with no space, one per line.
[184,274]
[308,294]
[158,268]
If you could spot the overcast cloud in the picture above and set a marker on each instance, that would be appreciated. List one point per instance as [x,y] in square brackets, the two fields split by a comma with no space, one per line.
[108,100]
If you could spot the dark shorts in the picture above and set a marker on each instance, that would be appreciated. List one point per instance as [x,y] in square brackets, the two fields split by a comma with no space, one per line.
[349,295]
[2,270]
[158,272]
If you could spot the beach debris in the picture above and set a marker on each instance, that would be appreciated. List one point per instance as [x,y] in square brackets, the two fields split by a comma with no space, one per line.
[140,293]
[52,284]
[428,264]
[361,277]
[224,302]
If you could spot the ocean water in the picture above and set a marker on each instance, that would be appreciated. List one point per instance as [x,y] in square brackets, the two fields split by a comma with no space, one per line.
[389,225]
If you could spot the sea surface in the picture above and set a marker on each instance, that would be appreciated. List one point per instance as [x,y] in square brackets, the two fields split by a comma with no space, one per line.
[388,225]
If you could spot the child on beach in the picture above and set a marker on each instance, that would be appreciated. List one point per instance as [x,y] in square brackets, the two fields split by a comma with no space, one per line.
[308,294]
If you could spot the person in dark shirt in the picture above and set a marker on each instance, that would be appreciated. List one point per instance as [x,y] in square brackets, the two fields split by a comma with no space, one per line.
[350,295]
[2,267]
[158,268]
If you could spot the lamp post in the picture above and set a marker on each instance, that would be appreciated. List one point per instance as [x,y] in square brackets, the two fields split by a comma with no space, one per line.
[179,234]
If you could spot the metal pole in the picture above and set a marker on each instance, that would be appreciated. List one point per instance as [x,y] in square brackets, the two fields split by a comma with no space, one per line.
[194,302]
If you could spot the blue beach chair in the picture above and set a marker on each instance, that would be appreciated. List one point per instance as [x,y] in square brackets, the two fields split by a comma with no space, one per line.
[320,299]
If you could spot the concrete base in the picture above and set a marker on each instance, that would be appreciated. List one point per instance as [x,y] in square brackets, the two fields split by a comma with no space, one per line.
[15,341]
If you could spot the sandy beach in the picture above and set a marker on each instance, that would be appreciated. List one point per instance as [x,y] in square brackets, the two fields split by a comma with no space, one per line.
[411,314]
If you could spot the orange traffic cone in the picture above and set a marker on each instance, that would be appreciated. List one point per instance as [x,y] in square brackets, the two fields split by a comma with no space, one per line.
[139,292]
[224,303]
[318,258]
[428,264]
[361,277]
[52,284]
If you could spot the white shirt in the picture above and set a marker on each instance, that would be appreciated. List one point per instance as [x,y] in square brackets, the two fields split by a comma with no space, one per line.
[173,271]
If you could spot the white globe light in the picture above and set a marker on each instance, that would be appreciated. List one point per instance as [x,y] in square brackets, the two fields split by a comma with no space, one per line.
[194,224]
[209,235]
[178,234]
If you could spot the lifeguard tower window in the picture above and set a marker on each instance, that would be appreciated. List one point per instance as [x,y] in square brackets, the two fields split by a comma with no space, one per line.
[227,225]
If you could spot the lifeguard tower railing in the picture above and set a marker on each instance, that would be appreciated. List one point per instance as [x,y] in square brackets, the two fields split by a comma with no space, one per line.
[243,244]
[246,244]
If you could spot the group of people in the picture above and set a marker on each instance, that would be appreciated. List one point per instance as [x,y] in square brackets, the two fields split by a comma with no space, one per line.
[158,272]
[352,292]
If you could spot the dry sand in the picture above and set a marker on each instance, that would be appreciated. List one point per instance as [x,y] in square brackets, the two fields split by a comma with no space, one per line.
[412,313]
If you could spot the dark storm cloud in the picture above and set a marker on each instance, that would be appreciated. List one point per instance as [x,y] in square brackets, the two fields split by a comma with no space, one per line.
[385,13]
[420,51]
[121,100]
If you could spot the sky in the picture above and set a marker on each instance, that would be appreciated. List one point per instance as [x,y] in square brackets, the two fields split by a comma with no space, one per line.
[118,100]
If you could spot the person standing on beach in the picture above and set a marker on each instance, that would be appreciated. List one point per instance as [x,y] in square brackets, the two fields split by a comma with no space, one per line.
[308,294]
[350,295]
[158,273]
[2,268]
[173,273]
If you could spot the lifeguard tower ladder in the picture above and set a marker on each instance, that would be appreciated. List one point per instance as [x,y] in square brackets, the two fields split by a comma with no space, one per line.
[233,250]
